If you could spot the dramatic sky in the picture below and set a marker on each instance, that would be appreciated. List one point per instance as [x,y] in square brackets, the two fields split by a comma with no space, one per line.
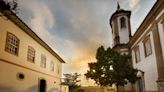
[76,28]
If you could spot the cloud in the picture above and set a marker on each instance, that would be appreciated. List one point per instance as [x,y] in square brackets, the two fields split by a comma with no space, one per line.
[91,37]
[42,17]
[84,33]
[38,16]
[74,28]
[134,5]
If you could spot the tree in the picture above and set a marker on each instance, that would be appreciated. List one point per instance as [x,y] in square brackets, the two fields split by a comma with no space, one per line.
[111,68]
[72,81]
[6,5]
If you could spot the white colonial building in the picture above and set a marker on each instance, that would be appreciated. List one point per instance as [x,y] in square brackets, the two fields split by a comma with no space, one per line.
[146,46]
[27,63]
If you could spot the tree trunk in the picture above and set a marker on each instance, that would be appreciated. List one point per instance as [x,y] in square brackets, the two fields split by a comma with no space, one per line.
[117,87]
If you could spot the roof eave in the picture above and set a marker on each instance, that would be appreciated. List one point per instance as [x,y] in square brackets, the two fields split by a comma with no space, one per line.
[14,18]
[147,20]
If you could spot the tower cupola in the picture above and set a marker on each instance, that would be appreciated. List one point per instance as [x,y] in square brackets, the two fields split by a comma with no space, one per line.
[120,24]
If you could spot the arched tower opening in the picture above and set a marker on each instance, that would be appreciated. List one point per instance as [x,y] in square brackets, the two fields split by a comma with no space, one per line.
[123,22]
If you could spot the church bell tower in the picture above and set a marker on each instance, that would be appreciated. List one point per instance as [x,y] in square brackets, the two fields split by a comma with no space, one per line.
[120,24]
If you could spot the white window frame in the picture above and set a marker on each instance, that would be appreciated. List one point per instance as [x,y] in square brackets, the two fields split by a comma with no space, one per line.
[12,44]
[43,61]
[147,46]
[52,66]
[31,54]
[137,54]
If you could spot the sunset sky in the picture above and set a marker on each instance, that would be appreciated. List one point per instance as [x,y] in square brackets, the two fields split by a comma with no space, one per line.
[76,28]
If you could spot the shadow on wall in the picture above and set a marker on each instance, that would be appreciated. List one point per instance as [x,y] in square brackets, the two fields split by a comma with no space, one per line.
[30,89]
[53,90]
[10,89]
[7,89]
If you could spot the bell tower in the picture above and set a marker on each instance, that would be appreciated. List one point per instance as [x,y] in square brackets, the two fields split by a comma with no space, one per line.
[120,24]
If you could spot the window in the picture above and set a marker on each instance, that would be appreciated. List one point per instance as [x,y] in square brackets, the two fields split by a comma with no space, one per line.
[20,76]
[12,44]
[137,54]
[147,46]
[43,61]
[52,66]
[31,54]
[123,22]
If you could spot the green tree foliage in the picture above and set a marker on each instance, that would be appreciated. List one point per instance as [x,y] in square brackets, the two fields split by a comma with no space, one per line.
[6,5]
[72,81]
[111,68]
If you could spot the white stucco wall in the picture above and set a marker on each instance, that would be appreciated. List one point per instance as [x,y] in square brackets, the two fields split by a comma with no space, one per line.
[10,83]
[113,33]
[147,64]
[8,71]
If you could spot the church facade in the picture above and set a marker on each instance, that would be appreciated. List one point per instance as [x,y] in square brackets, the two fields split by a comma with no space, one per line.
[146,46]
[27,63]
